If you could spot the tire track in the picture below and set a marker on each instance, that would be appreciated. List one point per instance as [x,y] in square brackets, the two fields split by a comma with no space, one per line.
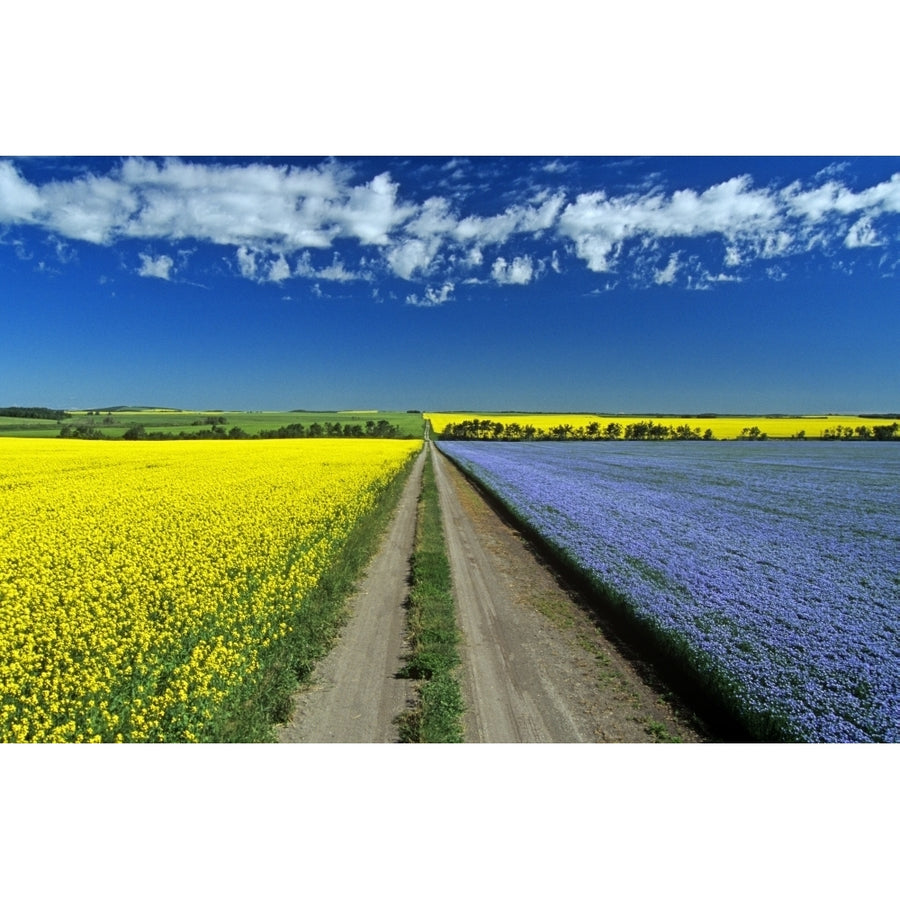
[355,695]
[509,657]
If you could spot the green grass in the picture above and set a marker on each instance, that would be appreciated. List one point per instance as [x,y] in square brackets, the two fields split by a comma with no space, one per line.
[433,632]
[116,422]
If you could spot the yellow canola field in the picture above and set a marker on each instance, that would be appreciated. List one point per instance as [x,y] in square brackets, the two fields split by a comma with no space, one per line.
[141,583]
[722,427]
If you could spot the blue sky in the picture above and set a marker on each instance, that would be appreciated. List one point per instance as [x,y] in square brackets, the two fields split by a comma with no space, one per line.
[645,284]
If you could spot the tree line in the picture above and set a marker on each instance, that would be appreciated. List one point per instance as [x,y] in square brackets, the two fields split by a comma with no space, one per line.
[34,412]
[863,433]
[380,429]
[489,430]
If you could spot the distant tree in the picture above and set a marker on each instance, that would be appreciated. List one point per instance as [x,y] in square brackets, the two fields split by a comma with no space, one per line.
[636,431]
[383,428]
[34,412]
[886,432]
[83,432]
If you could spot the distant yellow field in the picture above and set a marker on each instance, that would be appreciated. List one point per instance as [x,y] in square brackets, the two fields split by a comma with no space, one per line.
[722,427]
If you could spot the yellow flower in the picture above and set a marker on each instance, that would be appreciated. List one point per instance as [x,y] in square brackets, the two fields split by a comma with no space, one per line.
[138,581]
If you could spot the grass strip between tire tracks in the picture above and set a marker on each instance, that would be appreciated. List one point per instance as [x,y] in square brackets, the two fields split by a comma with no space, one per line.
[433,631]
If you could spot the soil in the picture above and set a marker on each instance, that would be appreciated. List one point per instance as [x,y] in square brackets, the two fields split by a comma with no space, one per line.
[537,663]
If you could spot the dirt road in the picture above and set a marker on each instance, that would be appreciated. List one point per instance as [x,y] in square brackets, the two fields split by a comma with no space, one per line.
[355,694]
[535,666]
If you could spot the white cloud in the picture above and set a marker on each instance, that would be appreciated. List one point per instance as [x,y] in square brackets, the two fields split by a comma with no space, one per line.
[160,267]
[519,271]
[21,252]
[410,256]
[432,297]
[434,217]
[599,225]
[246,262]
[279,219]
[19,201]
[862,234]
[667,275]
[278,270]
[833,198]
[499,228]
[371,212]
[776,244]
[280,208]
[539,218]
[334,272]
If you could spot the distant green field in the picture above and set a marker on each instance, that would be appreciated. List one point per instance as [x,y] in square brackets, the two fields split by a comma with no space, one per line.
[118,421]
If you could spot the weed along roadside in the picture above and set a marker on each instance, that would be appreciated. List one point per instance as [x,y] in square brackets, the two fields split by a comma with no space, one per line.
[432,631]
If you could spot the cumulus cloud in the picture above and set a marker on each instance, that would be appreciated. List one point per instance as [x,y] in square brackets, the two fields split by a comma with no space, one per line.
[159,267]
[262,268]
[20,202]
[371,211]
[862,234]
[432,297]
[246,262]
[278,207]
[278,270]
[410,256]
[599,225]
[284,221]
[667,275]
[833,198]
[519,271]
[333,272]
